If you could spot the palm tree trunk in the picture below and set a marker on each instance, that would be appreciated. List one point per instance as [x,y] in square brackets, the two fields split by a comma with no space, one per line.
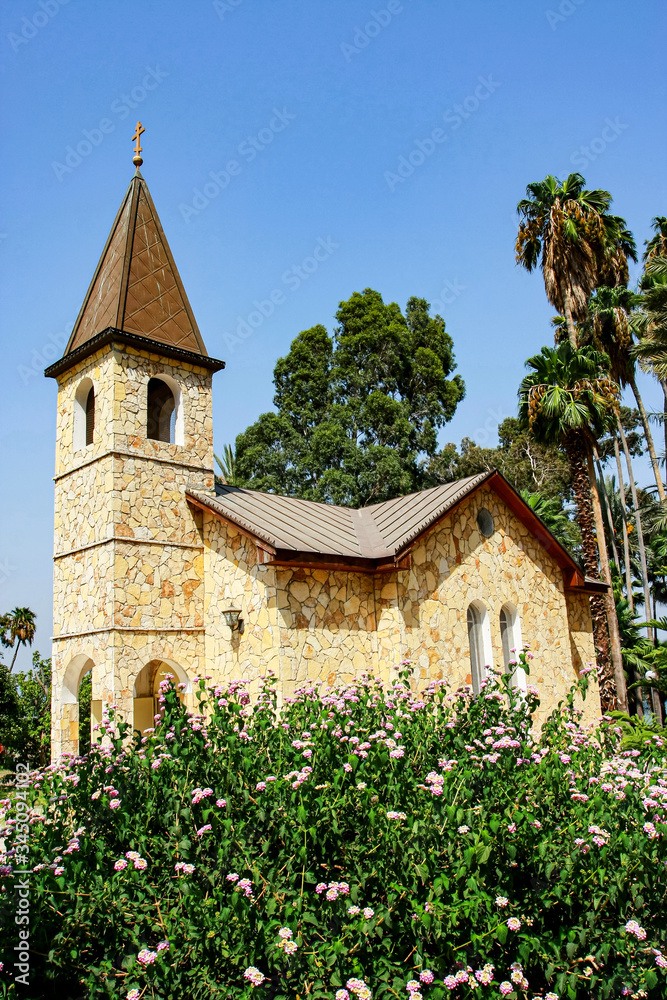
[626,540]
[649,437]
[16,653]
[664,410]
[621,699]
[576,454]
[569,319]
[638,522]
[607,509]
[657,708]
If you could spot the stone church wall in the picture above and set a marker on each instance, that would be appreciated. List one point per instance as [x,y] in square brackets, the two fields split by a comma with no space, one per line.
[330,626]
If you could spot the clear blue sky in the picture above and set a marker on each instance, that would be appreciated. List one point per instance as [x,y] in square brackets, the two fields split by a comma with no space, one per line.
[315,102]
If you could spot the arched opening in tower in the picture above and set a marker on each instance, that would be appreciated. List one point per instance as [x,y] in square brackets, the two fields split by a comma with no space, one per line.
[160,412]
[147,691]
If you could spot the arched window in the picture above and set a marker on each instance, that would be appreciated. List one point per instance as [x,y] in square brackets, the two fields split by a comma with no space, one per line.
[90,416]
[160,411]
[84,415]
[479,638]
[510,633]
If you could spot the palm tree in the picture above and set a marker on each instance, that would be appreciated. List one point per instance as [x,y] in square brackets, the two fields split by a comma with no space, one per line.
[609,330]
[18,630]
[569,233]
[657,245]
[550,510]
[652,317]
[227,464]
[650,323]
[569,399]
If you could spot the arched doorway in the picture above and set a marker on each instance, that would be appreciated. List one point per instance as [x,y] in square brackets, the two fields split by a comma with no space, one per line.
[76,691]
[147,691]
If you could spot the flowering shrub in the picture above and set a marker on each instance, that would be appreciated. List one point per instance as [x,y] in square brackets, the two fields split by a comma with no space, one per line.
[362,842]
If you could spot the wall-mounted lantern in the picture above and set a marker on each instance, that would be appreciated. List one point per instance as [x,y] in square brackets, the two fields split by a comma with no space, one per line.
[234,620]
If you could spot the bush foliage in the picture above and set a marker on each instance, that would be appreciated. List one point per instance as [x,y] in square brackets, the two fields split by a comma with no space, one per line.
[358,841]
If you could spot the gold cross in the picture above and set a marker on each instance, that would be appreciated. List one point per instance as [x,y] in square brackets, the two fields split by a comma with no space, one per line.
[138,132]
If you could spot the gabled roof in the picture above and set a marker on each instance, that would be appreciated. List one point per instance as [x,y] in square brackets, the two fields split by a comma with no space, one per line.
[292,525]
[136,287]
[294,532]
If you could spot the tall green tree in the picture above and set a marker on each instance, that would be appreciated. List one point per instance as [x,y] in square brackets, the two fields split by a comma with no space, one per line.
[568,398]
[570,234]
[25,714]
[358,413]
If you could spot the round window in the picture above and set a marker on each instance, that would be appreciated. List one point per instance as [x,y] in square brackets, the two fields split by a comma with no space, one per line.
[485,522]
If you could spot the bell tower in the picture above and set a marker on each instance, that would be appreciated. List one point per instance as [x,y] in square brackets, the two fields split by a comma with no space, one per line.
[134,429]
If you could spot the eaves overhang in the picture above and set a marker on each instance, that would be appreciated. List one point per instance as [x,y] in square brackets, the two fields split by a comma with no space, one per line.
[111,335]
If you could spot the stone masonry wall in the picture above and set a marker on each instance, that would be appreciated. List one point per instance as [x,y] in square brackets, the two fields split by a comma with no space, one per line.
[315,625]
[129,560]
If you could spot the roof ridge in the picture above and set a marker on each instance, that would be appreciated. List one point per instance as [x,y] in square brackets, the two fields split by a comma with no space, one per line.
[371,542]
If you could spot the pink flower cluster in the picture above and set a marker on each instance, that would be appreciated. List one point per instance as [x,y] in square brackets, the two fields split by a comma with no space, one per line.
[243,885]
[146,957]
[297,778]
[518,977]
[463,976]
[485,974]
[359,988]
[185,869]
[435,782]
[254,975]
[332,889]
[139,863]
[200,793]
[632,927]
[286,943]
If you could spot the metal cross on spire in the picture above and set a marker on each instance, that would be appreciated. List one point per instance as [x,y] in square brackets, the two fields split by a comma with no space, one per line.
[138,132]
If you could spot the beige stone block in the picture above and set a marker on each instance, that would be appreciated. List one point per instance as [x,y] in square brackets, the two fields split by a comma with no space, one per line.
[300,591]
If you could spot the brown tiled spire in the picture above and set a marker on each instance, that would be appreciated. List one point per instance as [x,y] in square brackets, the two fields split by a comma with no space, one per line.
[136,287]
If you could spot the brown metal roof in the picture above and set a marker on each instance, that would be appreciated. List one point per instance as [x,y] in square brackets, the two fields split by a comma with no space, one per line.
[403,519]
[287,522]
[136,287]
[379,532]
[379,537]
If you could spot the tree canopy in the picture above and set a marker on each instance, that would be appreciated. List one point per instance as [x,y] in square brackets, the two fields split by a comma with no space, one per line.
[357,412]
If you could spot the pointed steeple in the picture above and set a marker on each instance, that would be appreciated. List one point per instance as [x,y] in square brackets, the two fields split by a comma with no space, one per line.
[136,287]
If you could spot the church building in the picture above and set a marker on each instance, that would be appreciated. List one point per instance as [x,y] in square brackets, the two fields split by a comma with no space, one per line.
[158,570]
